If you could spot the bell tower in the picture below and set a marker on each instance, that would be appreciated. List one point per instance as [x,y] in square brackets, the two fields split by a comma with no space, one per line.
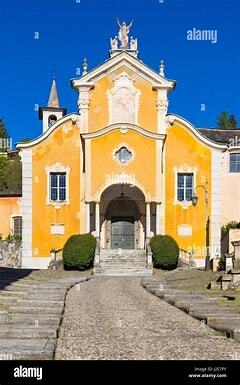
[53,112]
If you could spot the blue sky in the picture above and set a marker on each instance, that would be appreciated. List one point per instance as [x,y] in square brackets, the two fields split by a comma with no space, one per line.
[206,73]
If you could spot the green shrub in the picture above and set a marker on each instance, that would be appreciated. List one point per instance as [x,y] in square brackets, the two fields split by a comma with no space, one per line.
[230,225]
[12,238]
[78,252]
[165,252]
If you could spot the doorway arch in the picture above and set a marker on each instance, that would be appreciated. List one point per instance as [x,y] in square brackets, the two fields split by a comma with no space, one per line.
[123,217]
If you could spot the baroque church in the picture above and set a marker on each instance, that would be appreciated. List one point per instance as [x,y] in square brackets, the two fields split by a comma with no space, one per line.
[123,168]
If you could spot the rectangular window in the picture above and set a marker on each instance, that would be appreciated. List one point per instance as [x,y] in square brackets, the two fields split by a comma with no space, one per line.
[234,163]
[184,187]
[58,186]
[17,226]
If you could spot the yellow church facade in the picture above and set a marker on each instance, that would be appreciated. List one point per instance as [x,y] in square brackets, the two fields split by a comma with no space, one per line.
[121,168]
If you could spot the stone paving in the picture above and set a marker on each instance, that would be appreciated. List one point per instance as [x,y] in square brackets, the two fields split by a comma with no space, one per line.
[116,318]
[31,312]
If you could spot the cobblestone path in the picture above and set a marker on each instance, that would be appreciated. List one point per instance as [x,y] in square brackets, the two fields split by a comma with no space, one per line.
[115,318]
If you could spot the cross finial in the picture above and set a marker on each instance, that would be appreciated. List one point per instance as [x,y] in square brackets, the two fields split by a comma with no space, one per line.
[85,66]
[161,68]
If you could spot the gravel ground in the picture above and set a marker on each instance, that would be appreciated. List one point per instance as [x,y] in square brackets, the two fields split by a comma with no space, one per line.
[115,318]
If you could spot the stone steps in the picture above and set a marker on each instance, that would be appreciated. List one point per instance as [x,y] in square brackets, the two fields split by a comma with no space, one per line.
[123,265]
[29,319]
[200,306]
[122,262]
[34,310]
[4,300]
[119,272]
[27,349]
[40,303]
[27,331]
[38,296]
[7,293]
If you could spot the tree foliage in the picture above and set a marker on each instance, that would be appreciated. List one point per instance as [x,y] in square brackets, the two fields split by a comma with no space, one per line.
[3,130]
[10,173]
[226,121]
[229,225]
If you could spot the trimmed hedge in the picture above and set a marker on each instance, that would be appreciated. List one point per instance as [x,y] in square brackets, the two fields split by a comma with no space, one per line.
[165,252]
[78,252]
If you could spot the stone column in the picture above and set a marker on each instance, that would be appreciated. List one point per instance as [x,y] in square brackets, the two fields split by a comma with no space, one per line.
[162,108]
[97,219]
[83,103]
[148,220]
[158,218]
[87,218]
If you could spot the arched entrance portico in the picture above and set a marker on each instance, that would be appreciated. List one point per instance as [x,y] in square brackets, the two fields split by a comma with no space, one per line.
[123,217]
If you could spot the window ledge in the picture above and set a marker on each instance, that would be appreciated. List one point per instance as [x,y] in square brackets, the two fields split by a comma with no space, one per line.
[57,204]
[184,204]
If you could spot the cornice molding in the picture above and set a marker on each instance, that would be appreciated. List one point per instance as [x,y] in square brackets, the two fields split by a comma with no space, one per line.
[123,128]
[132,63]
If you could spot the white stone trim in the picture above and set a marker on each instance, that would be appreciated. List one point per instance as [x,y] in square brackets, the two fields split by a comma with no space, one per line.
[231,150]
[199,262]
[162,109]
[83,104]
[123,80]
[123,127]
[57,167]
[26,156]
[88,170]
[124,59]
[12,222]
[74,117]
[121,178]
[46,114]
[215,219]
[193,130]
[184,230]
[184,169]
[37,263]
[57,229]
[129,148]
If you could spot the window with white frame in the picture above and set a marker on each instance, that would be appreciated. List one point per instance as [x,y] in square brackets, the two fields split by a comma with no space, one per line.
[123,155]
[184,187]
[17,226]
[234,162]
[57,186]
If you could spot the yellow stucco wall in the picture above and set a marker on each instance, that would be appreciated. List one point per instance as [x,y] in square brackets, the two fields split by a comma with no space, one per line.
[182,148]
[99,107]
[9,207]
[62,146]
[142,168]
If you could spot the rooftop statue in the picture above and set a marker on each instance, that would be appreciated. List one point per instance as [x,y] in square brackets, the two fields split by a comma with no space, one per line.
[123,33]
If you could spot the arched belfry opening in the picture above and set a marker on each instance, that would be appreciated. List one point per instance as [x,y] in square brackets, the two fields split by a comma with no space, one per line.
[122,217]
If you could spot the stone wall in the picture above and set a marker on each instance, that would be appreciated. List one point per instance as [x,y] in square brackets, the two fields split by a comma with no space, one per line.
[11,254]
